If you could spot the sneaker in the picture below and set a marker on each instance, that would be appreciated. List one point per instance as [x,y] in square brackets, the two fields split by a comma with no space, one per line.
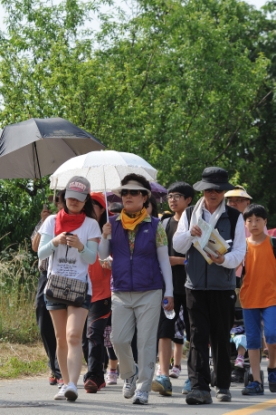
[253,388]
[272,379]
[111,378]
[158,371]
[61,393]
[52,379]
[187,387]
[175,372]
[223,395]
[198,397]
[71,392]
[60,383]
[94,383]
[141,398]
[162,384]
[130,385]
[239,362]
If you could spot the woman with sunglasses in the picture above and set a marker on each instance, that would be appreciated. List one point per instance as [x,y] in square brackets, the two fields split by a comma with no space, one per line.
[140,268]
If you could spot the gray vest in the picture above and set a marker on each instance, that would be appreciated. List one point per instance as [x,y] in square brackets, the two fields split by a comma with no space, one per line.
[201,275]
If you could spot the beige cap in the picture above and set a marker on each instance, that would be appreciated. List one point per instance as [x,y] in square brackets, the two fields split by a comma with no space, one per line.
[238,191]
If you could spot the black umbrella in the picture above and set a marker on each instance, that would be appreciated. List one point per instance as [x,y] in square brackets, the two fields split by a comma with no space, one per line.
[37,147]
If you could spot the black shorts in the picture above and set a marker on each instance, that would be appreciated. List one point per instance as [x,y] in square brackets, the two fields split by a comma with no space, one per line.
[166,328]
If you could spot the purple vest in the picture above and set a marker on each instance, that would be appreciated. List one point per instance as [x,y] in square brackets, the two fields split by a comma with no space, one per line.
[139,271]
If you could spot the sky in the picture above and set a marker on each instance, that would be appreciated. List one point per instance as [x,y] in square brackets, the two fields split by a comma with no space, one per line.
[256,3]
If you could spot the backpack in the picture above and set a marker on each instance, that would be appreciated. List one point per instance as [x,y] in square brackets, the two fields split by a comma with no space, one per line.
[232,213]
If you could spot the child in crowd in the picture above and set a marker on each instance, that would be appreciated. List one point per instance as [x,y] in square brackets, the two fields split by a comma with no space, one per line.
[239,339]
[258,298]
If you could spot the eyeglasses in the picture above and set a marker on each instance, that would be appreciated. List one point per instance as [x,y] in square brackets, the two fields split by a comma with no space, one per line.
[125,192]
[214,190]
[175,196]
[236,200]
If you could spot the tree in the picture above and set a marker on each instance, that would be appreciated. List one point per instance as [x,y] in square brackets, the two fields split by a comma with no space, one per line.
[184,84]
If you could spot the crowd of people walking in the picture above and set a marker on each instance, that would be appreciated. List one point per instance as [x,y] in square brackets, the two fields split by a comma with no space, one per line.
[128,269]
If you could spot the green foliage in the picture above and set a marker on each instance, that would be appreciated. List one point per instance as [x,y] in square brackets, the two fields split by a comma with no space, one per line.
[21,204]
[184,84]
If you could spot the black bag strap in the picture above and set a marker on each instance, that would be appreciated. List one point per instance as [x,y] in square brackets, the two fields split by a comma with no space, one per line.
[273,243]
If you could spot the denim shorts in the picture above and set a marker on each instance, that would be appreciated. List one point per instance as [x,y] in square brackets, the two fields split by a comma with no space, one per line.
[253,318]
[59,306]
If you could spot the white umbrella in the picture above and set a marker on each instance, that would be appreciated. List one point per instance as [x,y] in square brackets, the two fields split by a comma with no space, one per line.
[103,169]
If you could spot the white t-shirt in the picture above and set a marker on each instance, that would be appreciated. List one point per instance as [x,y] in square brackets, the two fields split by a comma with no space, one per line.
[65,260]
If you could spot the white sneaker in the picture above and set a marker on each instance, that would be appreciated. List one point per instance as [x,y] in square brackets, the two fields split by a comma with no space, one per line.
[175,372]
[130,385]
[111,378]
[141,397]
[61,393]
[71,393]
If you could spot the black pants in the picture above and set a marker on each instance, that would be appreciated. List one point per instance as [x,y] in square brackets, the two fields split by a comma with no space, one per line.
[211,315]
[93,348]
[45,325]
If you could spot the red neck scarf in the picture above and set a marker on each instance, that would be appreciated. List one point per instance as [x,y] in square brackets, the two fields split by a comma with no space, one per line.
[68,223]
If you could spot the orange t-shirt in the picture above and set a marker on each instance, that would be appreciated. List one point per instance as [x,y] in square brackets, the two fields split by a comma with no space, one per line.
[259,285]
[100,278]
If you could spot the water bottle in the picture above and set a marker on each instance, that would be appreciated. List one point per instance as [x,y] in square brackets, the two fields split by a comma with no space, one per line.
[169,314]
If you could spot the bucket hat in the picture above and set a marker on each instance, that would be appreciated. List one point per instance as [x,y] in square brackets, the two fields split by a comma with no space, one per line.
[213,178]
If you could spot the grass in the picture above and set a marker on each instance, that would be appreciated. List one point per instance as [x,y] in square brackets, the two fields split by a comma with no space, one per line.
[21,352]
[18,360]
[18,284]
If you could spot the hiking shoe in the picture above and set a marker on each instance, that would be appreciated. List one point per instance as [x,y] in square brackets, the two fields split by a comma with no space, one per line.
[162,384]
[111,378]
[175,372]
[223,395]
[61,393]
[187,387]
[52,379]
[253,388]
[71,392]
[94,383]
[60,383]
[141,398]
[239,362]
[198,397]
[130,385]
[90,386]
[272,379]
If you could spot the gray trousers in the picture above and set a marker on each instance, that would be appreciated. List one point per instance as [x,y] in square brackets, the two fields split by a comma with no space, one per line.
[140,309]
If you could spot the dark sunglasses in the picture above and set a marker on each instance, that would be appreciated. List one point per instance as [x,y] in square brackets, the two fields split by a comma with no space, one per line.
[125,192]
[214,190]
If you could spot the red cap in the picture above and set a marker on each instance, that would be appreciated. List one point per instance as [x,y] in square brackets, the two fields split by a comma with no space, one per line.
[99,197]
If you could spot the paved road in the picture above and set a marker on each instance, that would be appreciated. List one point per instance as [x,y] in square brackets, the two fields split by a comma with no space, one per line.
[34,396]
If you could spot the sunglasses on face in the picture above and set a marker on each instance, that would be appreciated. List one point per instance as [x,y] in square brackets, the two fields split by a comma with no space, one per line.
[125,192]
[214,190]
